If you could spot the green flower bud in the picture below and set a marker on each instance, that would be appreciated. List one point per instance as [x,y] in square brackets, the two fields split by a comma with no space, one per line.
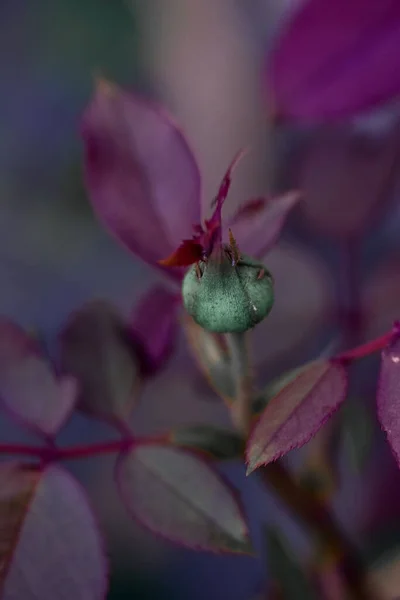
[224,297]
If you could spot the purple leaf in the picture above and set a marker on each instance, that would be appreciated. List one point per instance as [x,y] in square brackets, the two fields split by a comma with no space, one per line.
[95,348]
[51,547]
[154,327]
[334,59]
[347,178]
[181,497]
[388,397]
[258,223]
[29,390]
[142,178]
[297,412]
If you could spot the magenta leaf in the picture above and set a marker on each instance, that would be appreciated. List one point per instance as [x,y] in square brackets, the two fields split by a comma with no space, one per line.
[178,495]
[335,59]
[258,223]
[297,412]
[154,327]
[29,390]
[51,547]
[388,398]
[95,349]
[142,178]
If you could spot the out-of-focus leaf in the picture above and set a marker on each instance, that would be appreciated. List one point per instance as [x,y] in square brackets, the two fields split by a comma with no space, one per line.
[178,495]
[258,223]
[356,433]
[29,389]
[218,443]
[50,546]
[334,59]
[142,178]
[388,397]
[298,411]
[212,357]
[284,569]
[347,178]
[303,303]
[154,327]
[94,348]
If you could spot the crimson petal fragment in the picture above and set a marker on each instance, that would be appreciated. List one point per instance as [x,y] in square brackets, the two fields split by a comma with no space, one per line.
[297,412]
[179,496]
[334,59]
[51,547]
[142,178]
[29,389]
[154,327]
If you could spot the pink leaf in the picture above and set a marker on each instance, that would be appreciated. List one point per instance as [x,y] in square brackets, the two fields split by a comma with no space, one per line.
[388,398]
[347,178]
[51,547]
[142,178]
[29,389]
[297,412]
[334,59]
[178,495]
[258,223]
[154,326]
[95,348]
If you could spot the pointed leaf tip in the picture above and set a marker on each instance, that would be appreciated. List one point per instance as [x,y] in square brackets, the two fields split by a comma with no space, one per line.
[297,412]
[181,497]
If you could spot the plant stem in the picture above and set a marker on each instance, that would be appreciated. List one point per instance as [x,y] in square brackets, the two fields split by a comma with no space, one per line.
[368,348]
[241,412]
[320,520]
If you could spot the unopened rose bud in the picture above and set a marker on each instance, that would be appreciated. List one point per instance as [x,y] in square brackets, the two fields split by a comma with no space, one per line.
[225,295]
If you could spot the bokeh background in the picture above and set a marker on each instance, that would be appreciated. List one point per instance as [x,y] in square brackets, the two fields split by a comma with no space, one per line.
[204,60]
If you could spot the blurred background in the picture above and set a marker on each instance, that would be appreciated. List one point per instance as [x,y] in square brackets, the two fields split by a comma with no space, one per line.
[205,61]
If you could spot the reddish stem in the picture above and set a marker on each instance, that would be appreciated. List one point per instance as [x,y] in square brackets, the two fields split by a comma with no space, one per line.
[366,349]
[54,453]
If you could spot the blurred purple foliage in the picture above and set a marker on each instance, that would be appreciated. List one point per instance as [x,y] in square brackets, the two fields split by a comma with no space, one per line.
[99,332]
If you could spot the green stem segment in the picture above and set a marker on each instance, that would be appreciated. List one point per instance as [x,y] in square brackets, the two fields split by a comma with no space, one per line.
[241,411]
